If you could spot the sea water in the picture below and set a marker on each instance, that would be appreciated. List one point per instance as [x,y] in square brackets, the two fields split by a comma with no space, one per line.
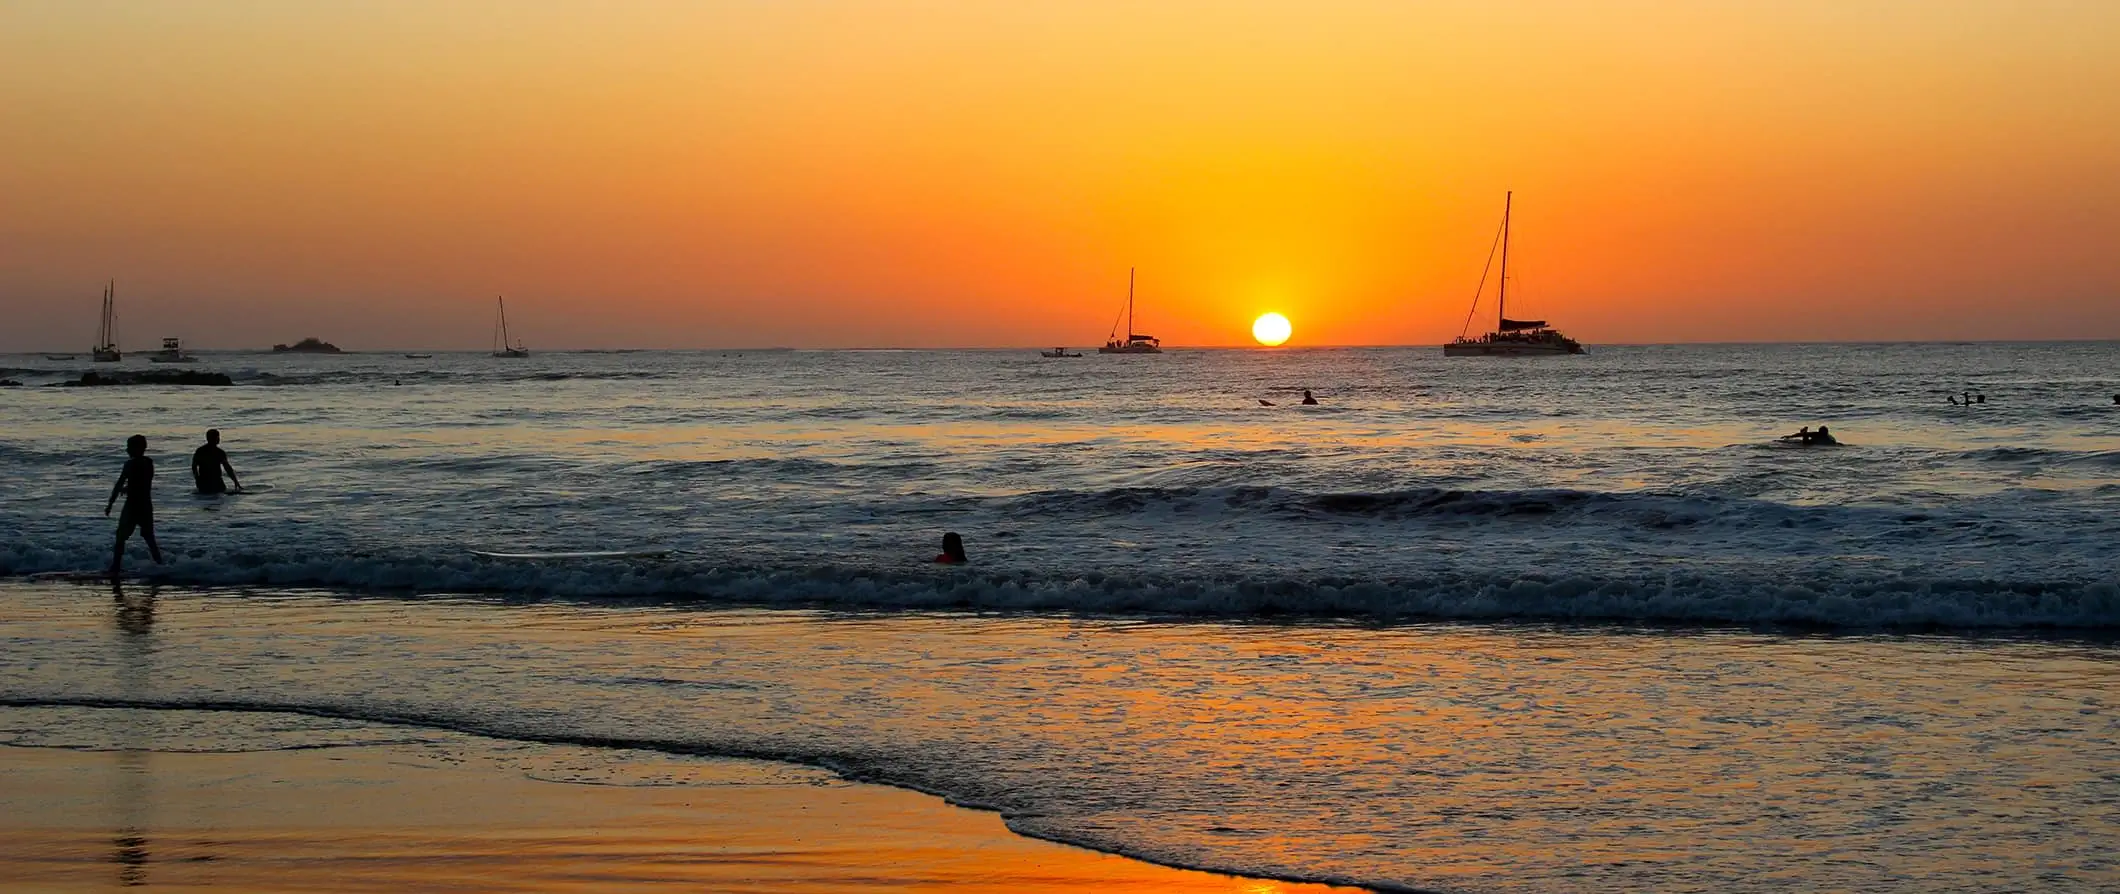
[1219,643]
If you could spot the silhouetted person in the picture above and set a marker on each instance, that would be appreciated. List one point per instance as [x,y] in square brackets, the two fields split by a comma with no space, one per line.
[952,550]
[1952,398]
[2116,400]
[1980,398]
[1802,434]
[1308,400]
[1823,435]
[208,462]
[137,482]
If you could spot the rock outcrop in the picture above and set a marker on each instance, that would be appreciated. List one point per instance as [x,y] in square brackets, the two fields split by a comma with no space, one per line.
[94,379]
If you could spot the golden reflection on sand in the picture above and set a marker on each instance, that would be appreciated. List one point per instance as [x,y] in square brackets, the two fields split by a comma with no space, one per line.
[414,818]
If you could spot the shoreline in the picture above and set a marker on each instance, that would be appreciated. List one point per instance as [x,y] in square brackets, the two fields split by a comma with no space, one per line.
[441,810]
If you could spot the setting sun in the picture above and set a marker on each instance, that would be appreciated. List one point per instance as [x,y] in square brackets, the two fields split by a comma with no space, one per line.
[1271,329]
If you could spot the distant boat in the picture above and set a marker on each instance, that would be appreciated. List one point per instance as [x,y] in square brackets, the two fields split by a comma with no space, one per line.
[1059,352]
[58,356]
[502,346]
[1510,338]
[172,352]
[1135,342]
[106,349]
[419,356]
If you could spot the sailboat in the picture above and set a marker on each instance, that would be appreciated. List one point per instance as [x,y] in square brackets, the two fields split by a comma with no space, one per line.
[1510,338]
[1135,342]
[502,347]
[106,349]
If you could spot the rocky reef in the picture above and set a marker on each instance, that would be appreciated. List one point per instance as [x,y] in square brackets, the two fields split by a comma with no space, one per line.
[94,379]
[307,346]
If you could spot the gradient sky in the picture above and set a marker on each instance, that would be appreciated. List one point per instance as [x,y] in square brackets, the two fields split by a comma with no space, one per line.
[707,174]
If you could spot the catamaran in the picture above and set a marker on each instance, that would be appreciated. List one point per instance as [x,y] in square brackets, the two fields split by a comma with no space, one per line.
[106,349]
[1135,342]
[502,347]
[1510,338]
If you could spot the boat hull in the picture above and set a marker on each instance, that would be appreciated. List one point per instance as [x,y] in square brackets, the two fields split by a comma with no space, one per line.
[1508,349]
[1130,349]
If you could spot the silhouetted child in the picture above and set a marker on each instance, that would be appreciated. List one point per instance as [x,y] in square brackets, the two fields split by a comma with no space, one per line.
[952,550]
[136,481]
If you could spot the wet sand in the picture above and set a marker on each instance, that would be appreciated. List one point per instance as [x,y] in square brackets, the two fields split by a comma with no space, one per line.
[410,817]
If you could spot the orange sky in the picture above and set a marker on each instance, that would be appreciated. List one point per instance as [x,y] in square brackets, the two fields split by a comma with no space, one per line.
[983,173]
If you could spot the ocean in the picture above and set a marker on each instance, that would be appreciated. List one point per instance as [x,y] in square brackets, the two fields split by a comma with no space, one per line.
[1484,625]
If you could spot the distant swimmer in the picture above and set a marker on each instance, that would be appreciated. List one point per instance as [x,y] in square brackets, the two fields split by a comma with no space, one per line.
[1805,435]
[208,462]
[952,550]
[136,481]
[1308,400]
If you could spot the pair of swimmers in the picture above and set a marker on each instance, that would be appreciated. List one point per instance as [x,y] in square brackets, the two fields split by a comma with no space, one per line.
[1806,436]
[136,483]
[1307,401]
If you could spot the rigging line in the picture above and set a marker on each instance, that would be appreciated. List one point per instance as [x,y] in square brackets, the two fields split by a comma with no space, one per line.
[1115,327]
[1498,231]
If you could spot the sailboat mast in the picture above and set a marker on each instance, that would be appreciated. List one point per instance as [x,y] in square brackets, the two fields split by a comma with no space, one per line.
[1501,302]
[1129,305]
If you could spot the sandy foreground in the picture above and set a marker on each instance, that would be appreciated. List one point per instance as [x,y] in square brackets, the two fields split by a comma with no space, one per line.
[404,817]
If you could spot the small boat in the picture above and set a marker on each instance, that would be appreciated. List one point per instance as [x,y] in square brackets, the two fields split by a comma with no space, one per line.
[1135,342]
[1059,352]
[172,352]
[58,356]
[106,349]
[419,356]
[502,347]
[1510,338]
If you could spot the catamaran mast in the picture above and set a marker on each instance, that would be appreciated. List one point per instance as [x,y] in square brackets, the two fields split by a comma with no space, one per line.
[1129,305]
[1501,303]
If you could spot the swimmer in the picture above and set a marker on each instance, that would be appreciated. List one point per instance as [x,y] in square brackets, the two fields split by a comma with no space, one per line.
[207,464]
[1309,401]
[952,550]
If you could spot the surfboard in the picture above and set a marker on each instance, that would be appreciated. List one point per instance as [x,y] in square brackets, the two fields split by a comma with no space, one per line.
[584,554]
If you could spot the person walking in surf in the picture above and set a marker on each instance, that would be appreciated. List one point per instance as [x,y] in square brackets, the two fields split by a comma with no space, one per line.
[207,463]
[136,481]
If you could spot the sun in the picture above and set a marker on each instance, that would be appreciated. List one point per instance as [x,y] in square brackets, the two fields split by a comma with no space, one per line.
[1271,329]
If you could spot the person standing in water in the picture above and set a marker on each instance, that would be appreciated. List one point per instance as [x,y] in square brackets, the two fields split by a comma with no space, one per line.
[1309,401]
[952,550]
[207,463]
[136,481]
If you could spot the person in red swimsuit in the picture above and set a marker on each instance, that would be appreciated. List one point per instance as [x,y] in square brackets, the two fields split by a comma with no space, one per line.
[952,550]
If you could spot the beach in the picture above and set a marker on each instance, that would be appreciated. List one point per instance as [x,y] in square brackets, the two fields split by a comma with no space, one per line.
[463,815]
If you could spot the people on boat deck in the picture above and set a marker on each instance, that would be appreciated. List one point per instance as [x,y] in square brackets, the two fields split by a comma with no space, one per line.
[952,550]
[1308,400]
[208,462]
